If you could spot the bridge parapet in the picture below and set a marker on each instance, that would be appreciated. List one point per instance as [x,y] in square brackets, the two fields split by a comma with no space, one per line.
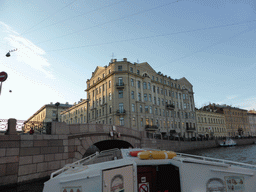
[61,128]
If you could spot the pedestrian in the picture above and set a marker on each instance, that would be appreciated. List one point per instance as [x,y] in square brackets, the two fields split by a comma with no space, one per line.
[31,132]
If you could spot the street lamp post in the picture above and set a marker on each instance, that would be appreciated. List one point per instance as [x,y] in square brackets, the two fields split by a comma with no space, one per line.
[57,105]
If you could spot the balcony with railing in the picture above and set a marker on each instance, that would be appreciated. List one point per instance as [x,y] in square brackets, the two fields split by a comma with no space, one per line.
[170,106]
[188,128]
[151,127]
[120,85]
[120,112]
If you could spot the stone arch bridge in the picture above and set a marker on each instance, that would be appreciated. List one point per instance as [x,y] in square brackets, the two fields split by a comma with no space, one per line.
[82,136]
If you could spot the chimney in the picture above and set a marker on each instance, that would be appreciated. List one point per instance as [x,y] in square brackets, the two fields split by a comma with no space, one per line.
[125,59]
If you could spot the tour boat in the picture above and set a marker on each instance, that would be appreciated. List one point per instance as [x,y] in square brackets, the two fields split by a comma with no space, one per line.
[228,143]
[152,171]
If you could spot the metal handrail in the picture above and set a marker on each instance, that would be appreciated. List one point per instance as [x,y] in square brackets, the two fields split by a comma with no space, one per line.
[75,164]
[216,160]
[81,161]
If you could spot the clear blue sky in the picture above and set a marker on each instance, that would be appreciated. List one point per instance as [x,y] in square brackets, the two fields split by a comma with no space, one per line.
[60,43]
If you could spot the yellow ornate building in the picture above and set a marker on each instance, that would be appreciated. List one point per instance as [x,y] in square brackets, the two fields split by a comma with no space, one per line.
[135,95]
[210,123]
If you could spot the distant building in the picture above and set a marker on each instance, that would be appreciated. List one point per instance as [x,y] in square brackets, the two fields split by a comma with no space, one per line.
[252,122]
[210,123]
[135,95]
[76,114]
[45,114]
[236,119]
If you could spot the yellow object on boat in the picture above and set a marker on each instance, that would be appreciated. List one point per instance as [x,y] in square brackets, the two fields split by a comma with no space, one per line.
[156,154]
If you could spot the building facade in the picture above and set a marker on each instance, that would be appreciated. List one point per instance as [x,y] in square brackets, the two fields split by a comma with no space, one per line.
[46,114]
[236,119]
[211,124]
[252,122]
[76,114]
[136,96]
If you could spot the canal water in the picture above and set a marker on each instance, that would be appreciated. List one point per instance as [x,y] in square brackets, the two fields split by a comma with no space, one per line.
[243,154]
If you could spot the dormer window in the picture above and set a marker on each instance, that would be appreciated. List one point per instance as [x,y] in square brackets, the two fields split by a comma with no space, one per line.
[119,67]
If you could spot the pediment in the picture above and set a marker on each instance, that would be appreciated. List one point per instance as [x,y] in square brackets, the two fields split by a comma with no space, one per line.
[97,71]
[146,67]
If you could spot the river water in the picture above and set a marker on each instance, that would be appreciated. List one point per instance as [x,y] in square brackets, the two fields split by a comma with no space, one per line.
[243,154]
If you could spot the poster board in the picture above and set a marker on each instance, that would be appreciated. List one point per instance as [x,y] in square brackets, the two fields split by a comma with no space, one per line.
[118,179]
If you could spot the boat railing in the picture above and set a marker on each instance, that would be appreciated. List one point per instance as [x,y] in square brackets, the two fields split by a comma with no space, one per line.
[84,161]
[227,162]
[75,164]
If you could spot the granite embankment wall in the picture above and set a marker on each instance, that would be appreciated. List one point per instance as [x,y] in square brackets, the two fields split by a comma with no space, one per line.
[27,157]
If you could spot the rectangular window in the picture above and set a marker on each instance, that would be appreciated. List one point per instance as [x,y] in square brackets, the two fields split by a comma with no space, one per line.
[139,97]
[109,84]
[149,86]
[120,94]
[141,122]
[119,67]
[132,95]
[149,98]
[133,108]
[145,97]
[146,109]
[138,72]
[121,121]
[132,82]
[144,85]
[120,81]
[110,97]
[138,84]
[131,69]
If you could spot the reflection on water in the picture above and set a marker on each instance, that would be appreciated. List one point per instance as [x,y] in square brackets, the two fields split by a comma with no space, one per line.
[243,154]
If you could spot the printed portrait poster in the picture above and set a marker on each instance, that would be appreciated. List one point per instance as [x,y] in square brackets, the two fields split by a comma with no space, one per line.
[119,179]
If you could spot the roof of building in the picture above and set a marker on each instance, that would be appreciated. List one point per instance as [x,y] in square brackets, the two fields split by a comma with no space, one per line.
[81,102]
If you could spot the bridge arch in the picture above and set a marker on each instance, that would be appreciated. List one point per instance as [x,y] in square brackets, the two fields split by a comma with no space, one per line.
[106,145]
[85,144]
